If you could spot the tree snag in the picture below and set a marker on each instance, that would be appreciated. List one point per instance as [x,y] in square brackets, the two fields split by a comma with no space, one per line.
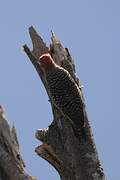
[12,166]
[73,158]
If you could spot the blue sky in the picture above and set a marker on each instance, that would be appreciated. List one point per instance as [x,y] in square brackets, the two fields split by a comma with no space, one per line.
[91,30]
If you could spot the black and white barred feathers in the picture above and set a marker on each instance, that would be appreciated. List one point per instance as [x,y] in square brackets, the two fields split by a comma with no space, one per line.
[64,91]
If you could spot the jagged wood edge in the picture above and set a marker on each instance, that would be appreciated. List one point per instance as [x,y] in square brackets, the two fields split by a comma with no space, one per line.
[12,166]
[39,47]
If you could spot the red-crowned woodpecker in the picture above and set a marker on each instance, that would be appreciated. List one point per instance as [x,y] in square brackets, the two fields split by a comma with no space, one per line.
[64,92]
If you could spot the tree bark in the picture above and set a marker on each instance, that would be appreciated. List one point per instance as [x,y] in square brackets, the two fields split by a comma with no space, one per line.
[12,166]
[72,157]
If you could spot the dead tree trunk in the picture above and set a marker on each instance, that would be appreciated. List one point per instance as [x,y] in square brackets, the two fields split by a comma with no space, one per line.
[11,163]
[73,158]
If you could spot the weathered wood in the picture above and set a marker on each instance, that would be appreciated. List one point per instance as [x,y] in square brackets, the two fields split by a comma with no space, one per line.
[11,163]
[72,157]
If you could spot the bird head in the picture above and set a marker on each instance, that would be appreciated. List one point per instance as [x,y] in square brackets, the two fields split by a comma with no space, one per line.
[46,61]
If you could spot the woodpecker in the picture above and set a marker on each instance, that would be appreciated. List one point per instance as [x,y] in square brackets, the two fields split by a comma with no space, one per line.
[64,92]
